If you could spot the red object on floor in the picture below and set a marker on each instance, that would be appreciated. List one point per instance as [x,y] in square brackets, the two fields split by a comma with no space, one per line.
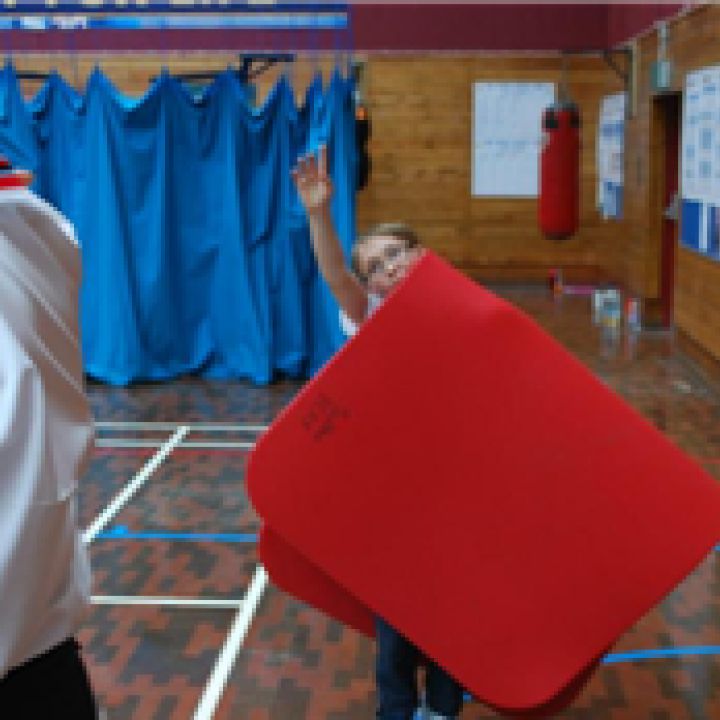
[458,472]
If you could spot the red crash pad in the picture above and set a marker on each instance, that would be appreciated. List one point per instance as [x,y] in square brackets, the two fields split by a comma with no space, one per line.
[458,472]
[293,573]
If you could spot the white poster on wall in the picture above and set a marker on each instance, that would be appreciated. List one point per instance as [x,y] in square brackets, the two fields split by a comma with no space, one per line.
[700,162]
[611,155]
[691,187]
[506,137]
[707,131]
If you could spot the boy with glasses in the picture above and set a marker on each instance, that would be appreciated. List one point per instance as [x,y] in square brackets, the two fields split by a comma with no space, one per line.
[380,260]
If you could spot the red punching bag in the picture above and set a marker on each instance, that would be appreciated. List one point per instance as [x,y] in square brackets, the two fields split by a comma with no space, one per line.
[558,207]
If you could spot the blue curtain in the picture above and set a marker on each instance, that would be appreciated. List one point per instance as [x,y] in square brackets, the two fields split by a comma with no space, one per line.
[195,248]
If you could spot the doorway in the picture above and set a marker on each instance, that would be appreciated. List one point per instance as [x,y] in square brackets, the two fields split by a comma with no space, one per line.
[666,122]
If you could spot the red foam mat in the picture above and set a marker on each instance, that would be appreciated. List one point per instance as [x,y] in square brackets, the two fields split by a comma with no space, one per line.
[456,471]
[293,573]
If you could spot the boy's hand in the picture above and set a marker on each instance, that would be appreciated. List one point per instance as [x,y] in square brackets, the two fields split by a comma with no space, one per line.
[312,182]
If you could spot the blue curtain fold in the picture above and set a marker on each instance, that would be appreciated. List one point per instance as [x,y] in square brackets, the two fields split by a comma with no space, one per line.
[195,248]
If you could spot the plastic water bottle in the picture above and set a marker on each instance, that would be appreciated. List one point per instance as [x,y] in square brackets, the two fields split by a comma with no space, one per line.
[632,314]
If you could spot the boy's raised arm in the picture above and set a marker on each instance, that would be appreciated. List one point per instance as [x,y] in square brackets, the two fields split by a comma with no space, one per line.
[315,190]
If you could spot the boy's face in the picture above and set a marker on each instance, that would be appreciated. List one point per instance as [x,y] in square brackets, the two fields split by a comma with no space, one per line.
[384,260]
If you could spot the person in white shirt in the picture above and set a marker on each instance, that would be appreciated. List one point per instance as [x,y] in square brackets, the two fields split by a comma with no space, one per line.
[380,260]
[45,437]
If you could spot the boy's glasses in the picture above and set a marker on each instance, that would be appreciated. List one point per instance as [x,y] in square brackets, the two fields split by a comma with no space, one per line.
[392,254]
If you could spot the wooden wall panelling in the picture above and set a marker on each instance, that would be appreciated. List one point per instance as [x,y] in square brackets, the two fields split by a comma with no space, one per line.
[421,110]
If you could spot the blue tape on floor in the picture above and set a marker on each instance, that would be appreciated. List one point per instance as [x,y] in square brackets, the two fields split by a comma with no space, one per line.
[120,532]
[661,653]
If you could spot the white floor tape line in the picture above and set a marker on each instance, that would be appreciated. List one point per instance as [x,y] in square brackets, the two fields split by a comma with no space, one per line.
[122,498]
[113,425]
[188,602]
[139,443]
[228,655]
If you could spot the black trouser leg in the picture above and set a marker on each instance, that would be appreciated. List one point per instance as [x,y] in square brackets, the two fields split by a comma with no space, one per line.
[53,685]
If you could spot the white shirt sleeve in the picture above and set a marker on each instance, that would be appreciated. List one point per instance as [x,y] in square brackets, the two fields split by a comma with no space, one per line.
[350,327]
